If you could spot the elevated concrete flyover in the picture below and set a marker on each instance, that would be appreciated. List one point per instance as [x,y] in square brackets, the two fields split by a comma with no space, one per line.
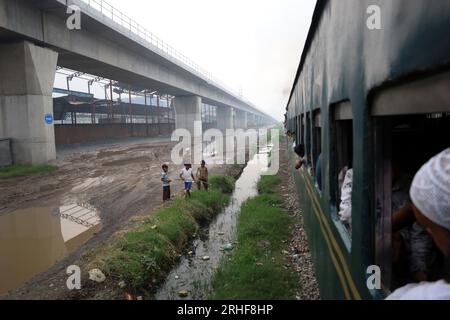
[110,45]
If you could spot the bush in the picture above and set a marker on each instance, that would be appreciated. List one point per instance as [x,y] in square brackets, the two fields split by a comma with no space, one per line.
[221,183]
[268,184]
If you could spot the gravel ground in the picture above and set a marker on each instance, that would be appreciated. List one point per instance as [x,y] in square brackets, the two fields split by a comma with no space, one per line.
[299,252]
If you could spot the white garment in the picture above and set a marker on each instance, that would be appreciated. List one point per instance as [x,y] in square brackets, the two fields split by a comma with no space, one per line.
[430,190]
[187,175]
[439,290]
[345,208]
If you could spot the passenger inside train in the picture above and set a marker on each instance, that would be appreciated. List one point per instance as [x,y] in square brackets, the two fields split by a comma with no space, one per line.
[408,142]
[430,194]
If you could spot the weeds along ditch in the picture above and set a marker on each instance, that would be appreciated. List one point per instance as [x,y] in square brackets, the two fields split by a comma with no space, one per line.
[139,260]
[257,267]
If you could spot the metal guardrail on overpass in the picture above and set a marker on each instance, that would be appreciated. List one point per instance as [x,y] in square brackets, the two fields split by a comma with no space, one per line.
[108,14]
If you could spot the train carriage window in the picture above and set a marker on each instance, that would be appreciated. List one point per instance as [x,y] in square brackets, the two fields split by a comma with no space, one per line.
[317,148]
[411,125]
[302,129]
[308,144]
[299,129]
[341,167]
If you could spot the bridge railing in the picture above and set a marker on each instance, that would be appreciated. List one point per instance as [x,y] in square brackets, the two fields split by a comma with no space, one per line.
[149,40]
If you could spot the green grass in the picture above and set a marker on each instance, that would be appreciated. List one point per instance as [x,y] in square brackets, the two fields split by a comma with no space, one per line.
[24,170]
[221,183]
[144,256]
[269,184]
[256,270]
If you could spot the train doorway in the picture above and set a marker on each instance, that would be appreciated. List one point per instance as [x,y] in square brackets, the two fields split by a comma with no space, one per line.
[411,124]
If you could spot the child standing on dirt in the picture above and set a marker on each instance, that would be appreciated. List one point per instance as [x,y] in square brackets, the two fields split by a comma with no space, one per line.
[202,176]
[188,177]
[166,182]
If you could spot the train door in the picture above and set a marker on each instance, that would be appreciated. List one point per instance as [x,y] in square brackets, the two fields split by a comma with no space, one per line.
[411,125]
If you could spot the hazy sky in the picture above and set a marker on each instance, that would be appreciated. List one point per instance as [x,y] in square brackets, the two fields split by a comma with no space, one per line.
[254,45]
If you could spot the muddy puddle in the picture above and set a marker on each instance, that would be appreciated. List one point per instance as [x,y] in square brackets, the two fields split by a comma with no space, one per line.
[32,240]
[194,273]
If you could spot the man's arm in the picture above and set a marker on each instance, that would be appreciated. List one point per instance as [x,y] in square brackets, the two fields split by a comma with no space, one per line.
[402,218]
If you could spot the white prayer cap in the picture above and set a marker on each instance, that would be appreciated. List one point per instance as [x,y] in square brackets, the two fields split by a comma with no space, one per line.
[430,190]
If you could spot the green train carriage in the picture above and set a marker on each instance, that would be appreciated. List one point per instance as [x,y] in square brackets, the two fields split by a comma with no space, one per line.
[372,99]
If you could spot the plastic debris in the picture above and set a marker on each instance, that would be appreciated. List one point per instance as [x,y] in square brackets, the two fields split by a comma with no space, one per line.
[97,275]
[122,284]
[128,296]
[205,258]
[183,293]
[228,247]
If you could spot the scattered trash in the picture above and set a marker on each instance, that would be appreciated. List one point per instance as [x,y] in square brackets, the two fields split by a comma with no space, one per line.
[228,247]
[259,264]
[97,275]
[122,284]
[183,293]
[153,227]
[128,296]
[285,252]
[51,285]
[177,277]
[190,253]
[221,233]
[205,258]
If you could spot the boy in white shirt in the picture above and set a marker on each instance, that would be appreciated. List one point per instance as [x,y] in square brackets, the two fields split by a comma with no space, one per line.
[188,177]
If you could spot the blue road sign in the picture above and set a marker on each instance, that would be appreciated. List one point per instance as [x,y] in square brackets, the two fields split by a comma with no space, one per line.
[48,118]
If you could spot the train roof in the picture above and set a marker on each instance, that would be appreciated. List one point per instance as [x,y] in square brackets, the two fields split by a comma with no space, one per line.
[317,15]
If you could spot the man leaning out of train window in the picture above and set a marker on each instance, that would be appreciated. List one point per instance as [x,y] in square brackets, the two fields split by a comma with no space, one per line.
[300,151]
[430,195]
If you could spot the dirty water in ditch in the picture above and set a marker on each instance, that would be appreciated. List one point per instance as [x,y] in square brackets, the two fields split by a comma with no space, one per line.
[194,273]
[32,240]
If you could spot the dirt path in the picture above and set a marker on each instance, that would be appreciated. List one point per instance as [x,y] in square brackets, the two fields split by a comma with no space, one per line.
[119,180]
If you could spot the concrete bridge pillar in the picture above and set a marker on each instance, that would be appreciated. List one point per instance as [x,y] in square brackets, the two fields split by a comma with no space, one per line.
[225,118]
[188,115]
[27,75]
[241,119]
[251,120]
